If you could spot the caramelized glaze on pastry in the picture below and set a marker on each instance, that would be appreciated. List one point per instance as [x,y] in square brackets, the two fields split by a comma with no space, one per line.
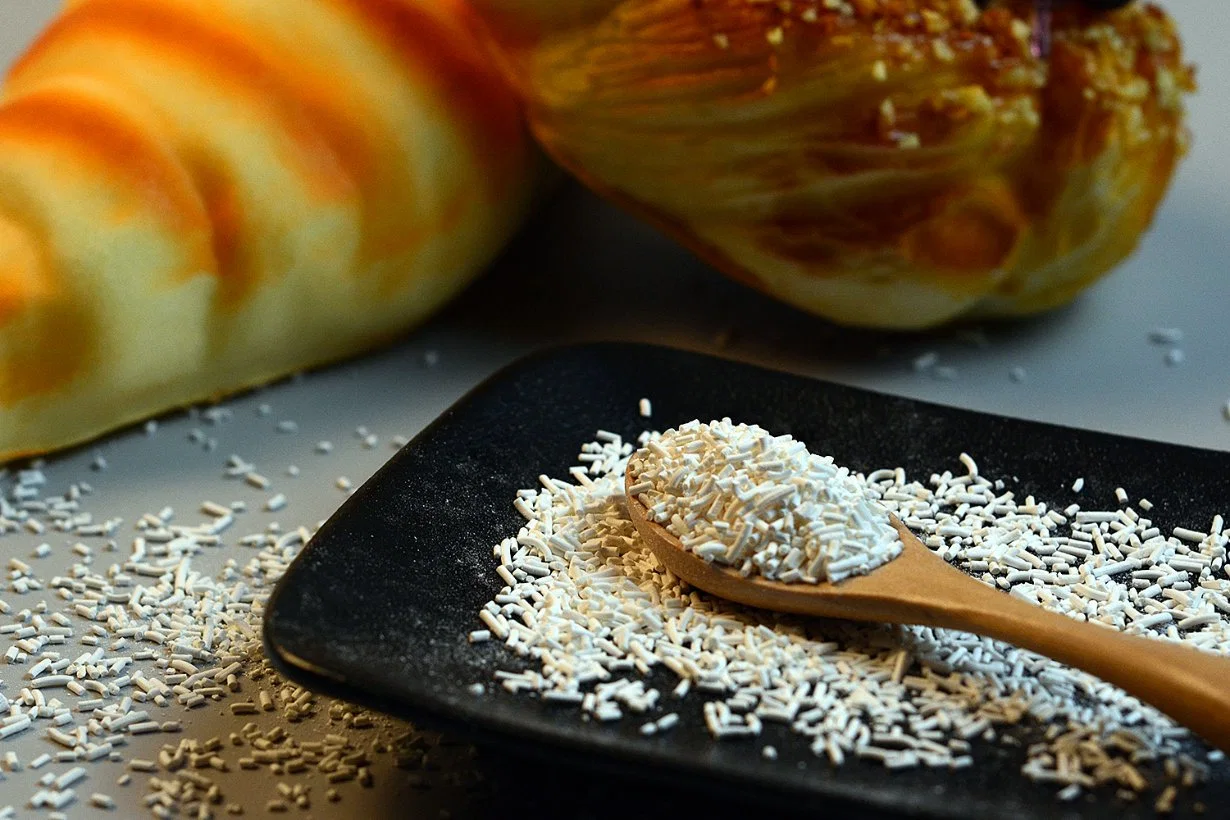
[885,163]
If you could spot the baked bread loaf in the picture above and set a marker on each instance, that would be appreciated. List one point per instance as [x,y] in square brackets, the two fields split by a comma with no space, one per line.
[884,163]
[202,195]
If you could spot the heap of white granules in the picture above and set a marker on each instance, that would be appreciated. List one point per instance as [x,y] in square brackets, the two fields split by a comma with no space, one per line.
[597,613]
[740,496]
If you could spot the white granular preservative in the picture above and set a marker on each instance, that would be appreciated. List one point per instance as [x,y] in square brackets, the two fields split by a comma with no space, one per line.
[735,494]
[598,616]
[127,635]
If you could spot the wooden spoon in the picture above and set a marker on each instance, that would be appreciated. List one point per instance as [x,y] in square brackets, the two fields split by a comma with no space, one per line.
[917,587]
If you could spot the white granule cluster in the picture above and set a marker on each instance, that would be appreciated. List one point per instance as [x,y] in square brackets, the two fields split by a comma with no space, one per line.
[597,614]
[129,638]
[737,495]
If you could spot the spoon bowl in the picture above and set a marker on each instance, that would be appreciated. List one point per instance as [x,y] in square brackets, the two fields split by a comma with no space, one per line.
[918,587]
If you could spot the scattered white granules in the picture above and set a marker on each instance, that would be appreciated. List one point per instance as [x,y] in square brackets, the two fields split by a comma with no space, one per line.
[740,496]
[599,619]
[123,633]
[929,363]
[926,361]
[1166,336]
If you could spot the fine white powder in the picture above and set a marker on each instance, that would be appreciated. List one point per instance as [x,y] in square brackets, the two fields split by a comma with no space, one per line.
[737,495]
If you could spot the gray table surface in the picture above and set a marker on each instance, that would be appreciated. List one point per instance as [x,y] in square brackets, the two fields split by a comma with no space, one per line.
[1090,365]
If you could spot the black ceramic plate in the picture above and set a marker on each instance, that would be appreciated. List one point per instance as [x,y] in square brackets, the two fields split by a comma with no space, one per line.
[377,607]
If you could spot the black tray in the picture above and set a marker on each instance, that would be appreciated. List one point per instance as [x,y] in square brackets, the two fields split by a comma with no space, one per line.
[377,607]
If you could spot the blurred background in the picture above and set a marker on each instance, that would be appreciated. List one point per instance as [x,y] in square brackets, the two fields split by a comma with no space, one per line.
[1090,365]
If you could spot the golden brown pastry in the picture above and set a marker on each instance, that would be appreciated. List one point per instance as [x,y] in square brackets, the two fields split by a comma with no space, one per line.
[886,163]
[200,195]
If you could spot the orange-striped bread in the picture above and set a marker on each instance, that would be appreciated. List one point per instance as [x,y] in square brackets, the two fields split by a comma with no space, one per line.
[201,195]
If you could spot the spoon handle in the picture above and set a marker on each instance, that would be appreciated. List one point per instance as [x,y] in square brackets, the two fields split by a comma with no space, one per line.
[1189,685]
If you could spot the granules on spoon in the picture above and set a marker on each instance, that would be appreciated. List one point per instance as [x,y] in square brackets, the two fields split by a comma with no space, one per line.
[738,495]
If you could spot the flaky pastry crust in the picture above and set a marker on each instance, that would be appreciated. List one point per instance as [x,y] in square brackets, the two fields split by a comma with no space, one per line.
[884,163]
